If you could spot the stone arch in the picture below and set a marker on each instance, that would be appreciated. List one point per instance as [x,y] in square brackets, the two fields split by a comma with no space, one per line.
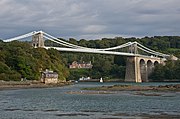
[142,61]
[149,63]
[150,66]
[156,63]
[142,65]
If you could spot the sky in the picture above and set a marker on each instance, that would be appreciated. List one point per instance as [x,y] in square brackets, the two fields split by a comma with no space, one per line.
[90,19]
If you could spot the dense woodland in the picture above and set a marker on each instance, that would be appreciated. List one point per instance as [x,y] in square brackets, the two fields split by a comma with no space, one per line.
[112,67]
[19,60]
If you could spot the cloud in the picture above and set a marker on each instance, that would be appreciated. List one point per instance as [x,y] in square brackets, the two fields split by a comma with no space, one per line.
[94,29]
[90,19]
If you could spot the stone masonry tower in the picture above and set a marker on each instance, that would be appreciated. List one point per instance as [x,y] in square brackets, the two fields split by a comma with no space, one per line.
[139,67]
[132,71]
[37,40]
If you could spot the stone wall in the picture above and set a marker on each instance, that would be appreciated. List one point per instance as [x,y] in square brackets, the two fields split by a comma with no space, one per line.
[139,68]
[51,80]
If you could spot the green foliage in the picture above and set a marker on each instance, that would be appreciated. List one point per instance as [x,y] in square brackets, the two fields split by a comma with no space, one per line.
[158,74]
[168,72]
[78,73]
[114,66]
[19,60]
[120,60]
[118,71]
[7,74]
[4,68]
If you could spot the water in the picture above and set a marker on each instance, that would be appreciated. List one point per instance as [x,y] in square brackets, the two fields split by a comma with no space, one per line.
[56,103]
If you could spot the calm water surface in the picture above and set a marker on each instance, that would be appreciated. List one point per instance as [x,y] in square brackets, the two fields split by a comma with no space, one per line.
[56,103]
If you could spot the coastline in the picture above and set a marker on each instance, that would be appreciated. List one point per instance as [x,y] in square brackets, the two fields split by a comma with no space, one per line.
[170,87]
[56,112]
[13,85]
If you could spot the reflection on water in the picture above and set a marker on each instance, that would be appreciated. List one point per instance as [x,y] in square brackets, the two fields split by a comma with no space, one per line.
[57,103]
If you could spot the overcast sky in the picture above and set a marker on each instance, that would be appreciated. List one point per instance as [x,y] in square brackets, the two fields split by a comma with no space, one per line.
[90,19]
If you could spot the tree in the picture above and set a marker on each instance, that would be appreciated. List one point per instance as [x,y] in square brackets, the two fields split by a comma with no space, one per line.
[120,60]
[73,41]
[20,60]
[158,74]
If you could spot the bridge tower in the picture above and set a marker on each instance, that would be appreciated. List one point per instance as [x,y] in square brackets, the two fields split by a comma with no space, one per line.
[37,40]
[132,70]
[138,67]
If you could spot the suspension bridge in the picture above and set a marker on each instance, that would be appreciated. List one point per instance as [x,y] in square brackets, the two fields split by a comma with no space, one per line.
[138,67]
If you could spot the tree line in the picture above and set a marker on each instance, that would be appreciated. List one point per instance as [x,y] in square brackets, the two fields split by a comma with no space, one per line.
[111,66]
[19,60]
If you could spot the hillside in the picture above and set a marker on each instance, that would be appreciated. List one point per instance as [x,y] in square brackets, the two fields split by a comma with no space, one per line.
[110,66]
[19,60]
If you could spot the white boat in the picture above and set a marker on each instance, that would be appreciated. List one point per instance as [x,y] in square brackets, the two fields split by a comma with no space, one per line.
[101,80]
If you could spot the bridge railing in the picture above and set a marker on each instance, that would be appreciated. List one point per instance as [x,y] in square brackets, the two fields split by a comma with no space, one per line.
[72,47]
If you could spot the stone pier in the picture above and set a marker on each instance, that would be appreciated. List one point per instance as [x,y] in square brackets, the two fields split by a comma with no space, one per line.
[138,68]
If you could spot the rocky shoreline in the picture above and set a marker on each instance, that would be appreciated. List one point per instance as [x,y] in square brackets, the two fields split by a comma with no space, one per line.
[9,85]
[171,87]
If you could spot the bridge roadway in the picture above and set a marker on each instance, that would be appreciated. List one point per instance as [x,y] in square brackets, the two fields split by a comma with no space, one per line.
[138,67]
[92,51]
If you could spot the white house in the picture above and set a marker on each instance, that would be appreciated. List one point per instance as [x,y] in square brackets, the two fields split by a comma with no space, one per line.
[49,77]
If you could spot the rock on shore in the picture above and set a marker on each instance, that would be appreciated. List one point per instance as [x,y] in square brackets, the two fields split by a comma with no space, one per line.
[4,85]
[171,87]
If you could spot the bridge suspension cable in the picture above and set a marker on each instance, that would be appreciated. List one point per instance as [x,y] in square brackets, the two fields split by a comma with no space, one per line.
[74,47]
[58,42]
[93,51]
[151,51]
[21,37]
[65,43]
[117,47]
